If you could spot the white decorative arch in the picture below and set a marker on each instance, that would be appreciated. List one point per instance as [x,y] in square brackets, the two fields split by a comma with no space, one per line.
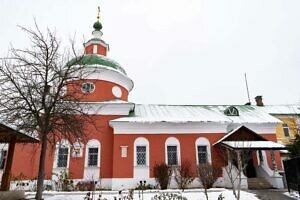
[63,143]
[172,141]
[202,141]
[141,141]
[93,143]
[92,172]
[141,171]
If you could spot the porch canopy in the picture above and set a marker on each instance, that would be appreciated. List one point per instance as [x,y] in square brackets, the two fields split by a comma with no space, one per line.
[11,136]
[245,138]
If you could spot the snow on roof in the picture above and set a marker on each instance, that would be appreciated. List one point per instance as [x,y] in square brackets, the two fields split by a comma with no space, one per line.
[253,145]
[173,113]
[281,109]
[247,114]
[196,113]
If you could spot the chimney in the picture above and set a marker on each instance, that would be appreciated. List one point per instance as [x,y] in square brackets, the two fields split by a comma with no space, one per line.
[259,101]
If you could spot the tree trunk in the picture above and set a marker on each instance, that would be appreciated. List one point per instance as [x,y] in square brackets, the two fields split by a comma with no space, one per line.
[240,170]
[41,175]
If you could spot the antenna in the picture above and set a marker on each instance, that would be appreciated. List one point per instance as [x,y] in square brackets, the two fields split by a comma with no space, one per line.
[247,89]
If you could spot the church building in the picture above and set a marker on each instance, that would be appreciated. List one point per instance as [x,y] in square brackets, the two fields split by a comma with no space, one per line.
[131,138]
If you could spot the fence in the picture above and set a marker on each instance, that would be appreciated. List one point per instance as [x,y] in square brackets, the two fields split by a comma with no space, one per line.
[292,173]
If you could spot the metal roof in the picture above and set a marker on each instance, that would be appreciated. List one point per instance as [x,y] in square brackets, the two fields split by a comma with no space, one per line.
[196,113]
[7,133]
[281,109]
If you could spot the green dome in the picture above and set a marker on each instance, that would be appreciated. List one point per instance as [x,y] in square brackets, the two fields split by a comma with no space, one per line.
[92,59]
[97,26]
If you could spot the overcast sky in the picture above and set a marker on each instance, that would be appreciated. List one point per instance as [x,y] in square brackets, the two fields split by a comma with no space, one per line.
[181,51]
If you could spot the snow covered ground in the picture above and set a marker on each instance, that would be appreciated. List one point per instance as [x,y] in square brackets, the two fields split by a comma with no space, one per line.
[293,194]
[193,194]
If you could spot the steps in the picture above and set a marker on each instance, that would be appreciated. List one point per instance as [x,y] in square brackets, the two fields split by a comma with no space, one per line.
[258,183]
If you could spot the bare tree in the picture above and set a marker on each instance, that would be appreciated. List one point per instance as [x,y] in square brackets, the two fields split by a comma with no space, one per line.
[208,174]
[38,92]
[237,162]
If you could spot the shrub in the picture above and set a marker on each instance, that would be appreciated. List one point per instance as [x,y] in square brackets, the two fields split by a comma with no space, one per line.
[85,185]
[64,183]
[162,174]
[144,187]
[208,175]
[168,196]
[184,175]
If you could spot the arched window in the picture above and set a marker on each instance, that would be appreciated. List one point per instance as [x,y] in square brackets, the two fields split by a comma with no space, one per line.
[172,151]
[203,154]
[231,111]
[141,152]
[92,154]
[62,154]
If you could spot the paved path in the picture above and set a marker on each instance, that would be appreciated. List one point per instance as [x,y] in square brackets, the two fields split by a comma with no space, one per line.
[271,194]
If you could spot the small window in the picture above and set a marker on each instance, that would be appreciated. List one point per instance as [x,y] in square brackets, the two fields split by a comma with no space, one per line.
[202,154]
[231,111]
[3,159]
[93,157]
[172,155]
[62,159]
[88,87]
[141,155]
[286,130]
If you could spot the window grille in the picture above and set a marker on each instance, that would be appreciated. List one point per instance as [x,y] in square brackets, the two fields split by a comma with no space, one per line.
[93,157]
[3,159]
[62,159]
[172,155]
[141,155]
[202,154]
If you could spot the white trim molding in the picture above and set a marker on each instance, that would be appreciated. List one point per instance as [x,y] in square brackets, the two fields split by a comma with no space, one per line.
[166,127]
[101,72]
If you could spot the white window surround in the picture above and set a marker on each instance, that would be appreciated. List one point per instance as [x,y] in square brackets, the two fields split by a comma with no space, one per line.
[93,143]
[77,149]
[65,144]
[202,141]
[172,141]
[141,141]
[124,151]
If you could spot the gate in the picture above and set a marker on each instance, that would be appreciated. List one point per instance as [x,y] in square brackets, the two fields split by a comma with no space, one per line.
[292,173]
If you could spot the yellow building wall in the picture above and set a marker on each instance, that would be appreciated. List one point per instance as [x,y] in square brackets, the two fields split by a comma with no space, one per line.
[292,124]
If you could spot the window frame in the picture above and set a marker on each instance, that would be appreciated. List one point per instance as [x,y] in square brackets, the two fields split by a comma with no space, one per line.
[170,157]
[88,91]
[62,155]
[143,154]
[286,130]
[92,156]
[198,154]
